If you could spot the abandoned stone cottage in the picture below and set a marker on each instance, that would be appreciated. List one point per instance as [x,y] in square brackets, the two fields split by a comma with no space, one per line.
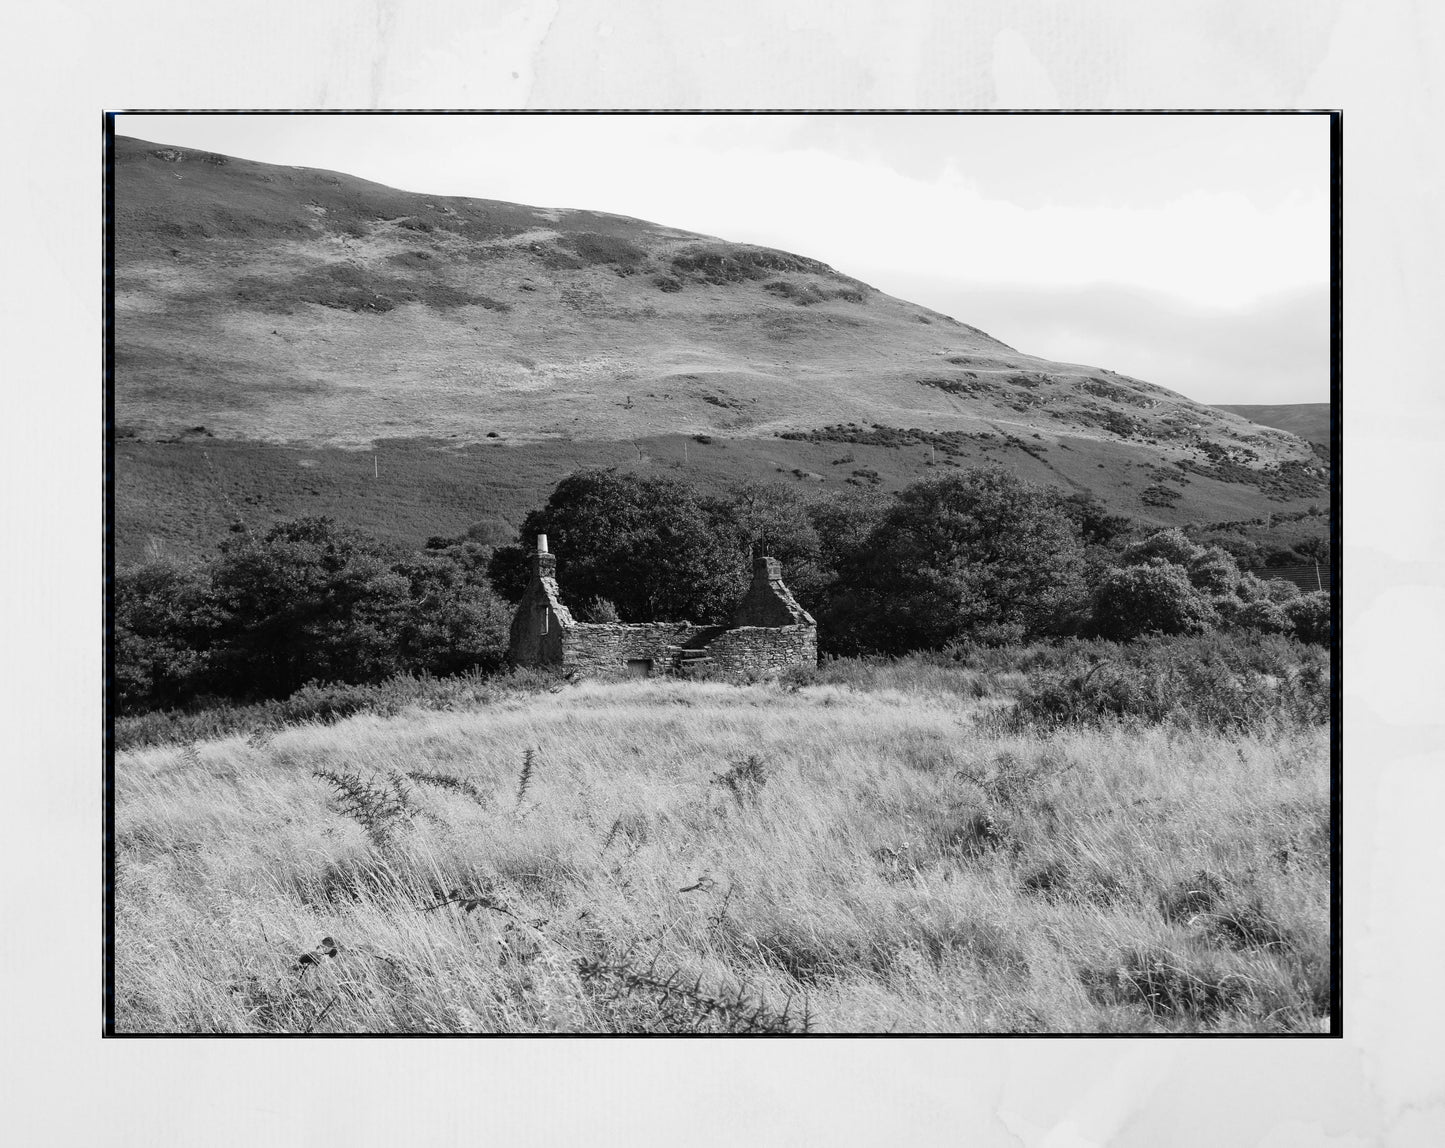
[768,632]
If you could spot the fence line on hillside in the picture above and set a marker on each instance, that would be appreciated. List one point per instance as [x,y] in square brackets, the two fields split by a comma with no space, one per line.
[1311,576]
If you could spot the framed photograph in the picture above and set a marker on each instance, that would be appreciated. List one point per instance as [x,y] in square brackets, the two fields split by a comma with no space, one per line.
[720,574]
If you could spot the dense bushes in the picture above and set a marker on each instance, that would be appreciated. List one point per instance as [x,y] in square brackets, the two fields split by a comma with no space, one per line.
[1309,617]
[1153,599]
[978,557]
[1243,683]
[724,263]
[307,601]
[1166,584]
[1263,615]
[622,255]
[163,627]
[1221,682]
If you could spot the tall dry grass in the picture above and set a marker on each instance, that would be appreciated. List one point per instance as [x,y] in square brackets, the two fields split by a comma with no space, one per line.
[684,857]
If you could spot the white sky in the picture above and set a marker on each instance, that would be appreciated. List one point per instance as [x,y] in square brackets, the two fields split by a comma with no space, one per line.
[1189,250]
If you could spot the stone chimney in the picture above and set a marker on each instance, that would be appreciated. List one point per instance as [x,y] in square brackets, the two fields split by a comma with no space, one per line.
[544,565]
[768,602]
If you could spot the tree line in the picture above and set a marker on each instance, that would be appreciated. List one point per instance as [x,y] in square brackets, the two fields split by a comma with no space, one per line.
[976,556]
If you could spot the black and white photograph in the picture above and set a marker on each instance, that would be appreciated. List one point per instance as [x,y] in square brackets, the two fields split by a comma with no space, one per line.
[700,574]
[721,574]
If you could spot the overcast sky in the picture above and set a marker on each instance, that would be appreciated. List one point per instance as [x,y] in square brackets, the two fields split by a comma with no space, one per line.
[1188,250]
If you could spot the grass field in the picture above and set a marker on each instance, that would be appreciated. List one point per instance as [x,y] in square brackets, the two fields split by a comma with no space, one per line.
[883,854]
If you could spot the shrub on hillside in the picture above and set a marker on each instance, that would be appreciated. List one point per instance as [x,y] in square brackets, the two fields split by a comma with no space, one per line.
[1157,494]
[612,250]
[1214,572]
[1280,590]
[724,263]
[1255,589]
[1156,598]
[1211,569]
[1265,616]
[1309,617]
[1163,545]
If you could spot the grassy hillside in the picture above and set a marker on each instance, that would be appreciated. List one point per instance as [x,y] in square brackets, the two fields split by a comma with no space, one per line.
[295,314]
[874,853]
[1309,421]
[178,498]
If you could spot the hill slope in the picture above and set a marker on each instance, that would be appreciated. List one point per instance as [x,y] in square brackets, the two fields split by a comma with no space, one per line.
[1309,421]
[292,316]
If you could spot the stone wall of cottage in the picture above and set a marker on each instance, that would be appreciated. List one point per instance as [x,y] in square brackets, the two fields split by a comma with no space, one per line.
[769,633]
[763,649]
[605,648]
[541,620]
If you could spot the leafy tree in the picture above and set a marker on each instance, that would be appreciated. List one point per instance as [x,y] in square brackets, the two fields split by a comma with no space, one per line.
[843,523]
[309,600]
[1091,518]
[454,620]
[980,554]
[647,543]
[770,518]
[165,620]
[1153,598]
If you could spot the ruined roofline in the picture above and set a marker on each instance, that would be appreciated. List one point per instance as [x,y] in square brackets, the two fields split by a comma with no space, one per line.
[768,632]
[767,603]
